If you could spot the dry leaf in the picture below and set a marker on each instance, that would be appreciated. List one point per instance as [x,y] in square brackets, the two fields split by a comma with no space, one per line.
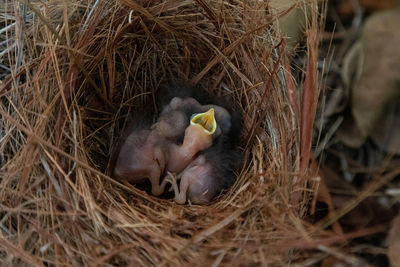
[292,20]
[386,136]
[378,85]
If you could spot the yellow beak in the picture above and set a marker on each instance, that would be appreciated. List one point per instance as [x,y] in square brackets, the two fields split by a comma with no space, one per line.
[206,120]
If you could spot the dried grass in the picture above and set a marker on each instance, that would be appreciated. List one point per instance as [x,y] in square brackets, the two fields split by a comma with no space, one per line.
[69,84]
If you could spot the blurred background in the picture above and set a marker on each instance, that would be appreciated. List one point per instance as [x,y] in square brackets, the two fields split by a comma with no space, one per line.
[358,138]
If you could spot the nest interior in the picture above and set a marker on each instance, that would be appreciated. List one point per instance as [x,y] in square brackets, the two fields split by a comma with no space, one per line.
[85,67]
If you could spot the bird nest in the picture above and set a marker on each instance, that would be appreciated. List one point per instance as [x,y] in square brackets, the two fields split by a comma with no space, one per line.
[80,70]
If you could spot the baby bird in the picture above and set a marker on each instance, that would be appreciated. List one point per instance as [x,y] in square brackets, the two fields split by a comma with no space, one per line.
[187,107]
[142,156]
[146,153]
[213,169]
[184,128]
[211,172]
[203,129]
[186,98]
[198,137]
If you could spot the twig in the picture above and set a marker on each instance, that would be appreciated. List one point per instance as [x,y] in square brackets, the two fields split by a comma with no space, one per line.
[371,188]
[89,15]
[75,144]
[7,27]
[349,259]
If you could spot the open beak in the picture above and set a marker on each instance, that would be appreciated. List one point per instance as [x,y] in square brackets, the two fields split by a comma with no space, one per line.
[206,120]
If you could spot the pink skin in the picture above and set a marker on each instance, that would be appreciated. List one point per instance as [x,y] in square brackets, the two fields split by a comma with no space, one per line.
[221,114]
[172,121]
[196,184]
[176,103]
[157,154]
[149,161]
[195,140]
[147,154]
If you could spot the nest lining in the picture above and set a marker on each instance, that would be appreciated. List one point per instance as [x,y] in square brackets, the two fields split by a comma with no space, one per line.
[93,70]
